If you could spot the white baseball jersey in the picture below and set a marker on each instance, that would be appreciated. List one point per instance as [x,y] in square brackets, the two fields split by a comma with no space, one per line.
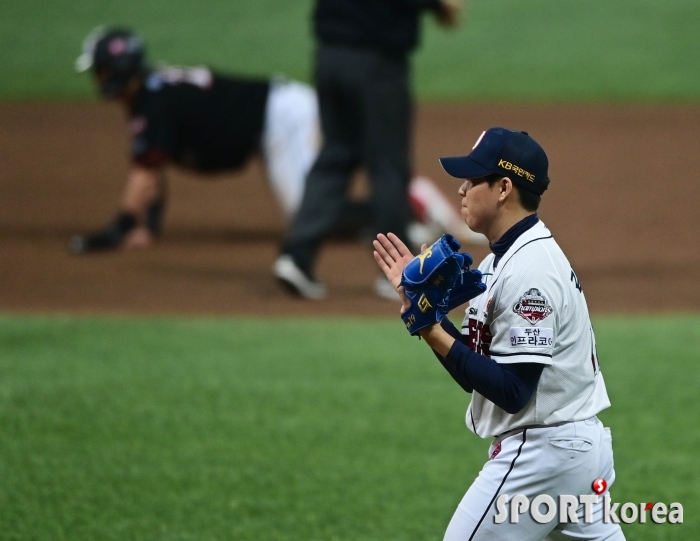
[534,311]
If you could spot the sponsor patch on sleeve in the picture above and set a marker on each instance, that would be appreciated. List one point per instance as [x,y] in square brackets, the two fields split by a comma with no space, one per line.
[537,337]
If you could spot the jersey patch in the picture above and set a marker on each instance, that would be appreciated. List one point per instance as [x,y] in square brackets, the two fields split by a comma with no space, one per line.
[531,336]
[532,306]
[200,76]
[138,124]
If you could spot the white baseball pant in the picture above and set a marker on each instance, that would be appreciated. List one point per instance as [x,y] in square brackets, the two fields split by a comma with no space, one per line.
[559,460]
[290,140]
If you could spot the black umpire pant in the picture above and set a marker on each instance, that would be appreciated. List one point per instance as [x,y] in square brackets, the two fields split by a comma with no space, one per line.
[366,110]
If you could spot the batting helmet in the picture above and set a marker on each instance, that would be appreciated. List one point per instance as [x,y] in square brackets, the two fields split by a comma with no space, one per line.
[115,55]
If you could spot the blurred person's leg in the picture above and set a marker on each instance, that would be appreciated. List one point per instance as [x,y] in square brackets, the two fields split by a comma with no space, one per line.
[386,114]
[355,222]
[327,182]
[387,111]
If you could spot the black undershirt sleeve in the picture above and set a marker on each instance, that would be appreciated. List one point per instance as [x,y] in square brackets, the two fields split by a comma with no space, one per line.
[454,333]
[509,386]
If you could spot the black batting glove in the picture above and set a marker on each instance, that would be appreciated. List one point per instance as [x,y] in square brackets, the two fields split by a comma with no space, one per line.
[107,239]
[154,216]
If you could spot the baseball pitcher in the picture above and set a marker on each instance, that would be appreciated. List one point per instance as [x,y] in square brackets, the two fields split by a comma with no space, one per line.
[526,352]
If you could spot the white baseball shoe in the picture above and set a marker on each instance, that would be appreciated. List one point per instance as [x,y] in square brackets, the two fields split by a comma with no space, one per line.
[296,280]
[437,214]
[420,233]
[384,289]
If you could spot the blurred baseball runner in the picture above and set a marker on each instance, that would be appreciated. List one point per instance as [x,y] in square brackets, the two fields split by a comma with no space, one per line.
[206,122]
[526,352]
[197,119]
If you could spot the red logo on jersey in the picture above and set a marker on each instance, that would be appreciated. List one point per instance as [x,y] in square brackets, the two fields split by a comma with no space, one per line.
[496,450]
[532,306]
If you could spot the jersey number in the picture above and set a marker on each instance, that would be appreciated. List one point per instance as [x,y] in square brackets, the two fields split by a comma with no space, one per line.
[574,279]
[594,354]
[480,337]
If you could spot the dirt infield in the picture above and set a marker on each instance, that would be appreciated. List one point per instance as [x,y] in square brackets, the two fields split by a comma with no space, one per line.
[623,205]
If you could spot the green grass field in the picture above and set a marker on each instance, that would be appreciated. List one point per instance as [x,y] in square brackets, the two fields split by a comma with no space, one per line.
[507,50]
[220,429]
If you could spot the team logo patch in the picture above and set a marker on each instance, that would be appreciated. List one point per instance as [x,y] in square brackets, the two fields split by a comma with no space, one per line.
[532,306]
[496,450]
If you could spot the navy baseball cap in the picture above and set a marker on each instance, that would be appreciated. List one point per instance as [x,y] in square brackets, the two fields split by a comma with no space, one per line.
[513,154]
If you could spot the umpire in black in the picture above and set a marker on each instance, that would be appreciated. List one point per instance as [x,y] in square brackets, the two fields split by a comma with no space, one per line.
[362,75]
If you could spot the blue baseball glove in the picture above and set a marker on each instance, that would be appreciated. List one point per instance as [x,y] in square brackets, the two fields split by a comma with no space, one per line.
[471,286]
[429,278]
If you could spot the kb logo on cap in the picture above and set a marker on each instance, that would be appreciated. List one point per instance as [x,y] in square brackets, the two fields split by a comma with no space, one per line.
[517,170]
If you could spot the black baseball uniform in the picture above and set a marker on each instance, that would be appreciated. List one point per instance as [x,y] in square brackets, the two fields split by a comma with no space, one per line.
[205,122]
[197,119]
